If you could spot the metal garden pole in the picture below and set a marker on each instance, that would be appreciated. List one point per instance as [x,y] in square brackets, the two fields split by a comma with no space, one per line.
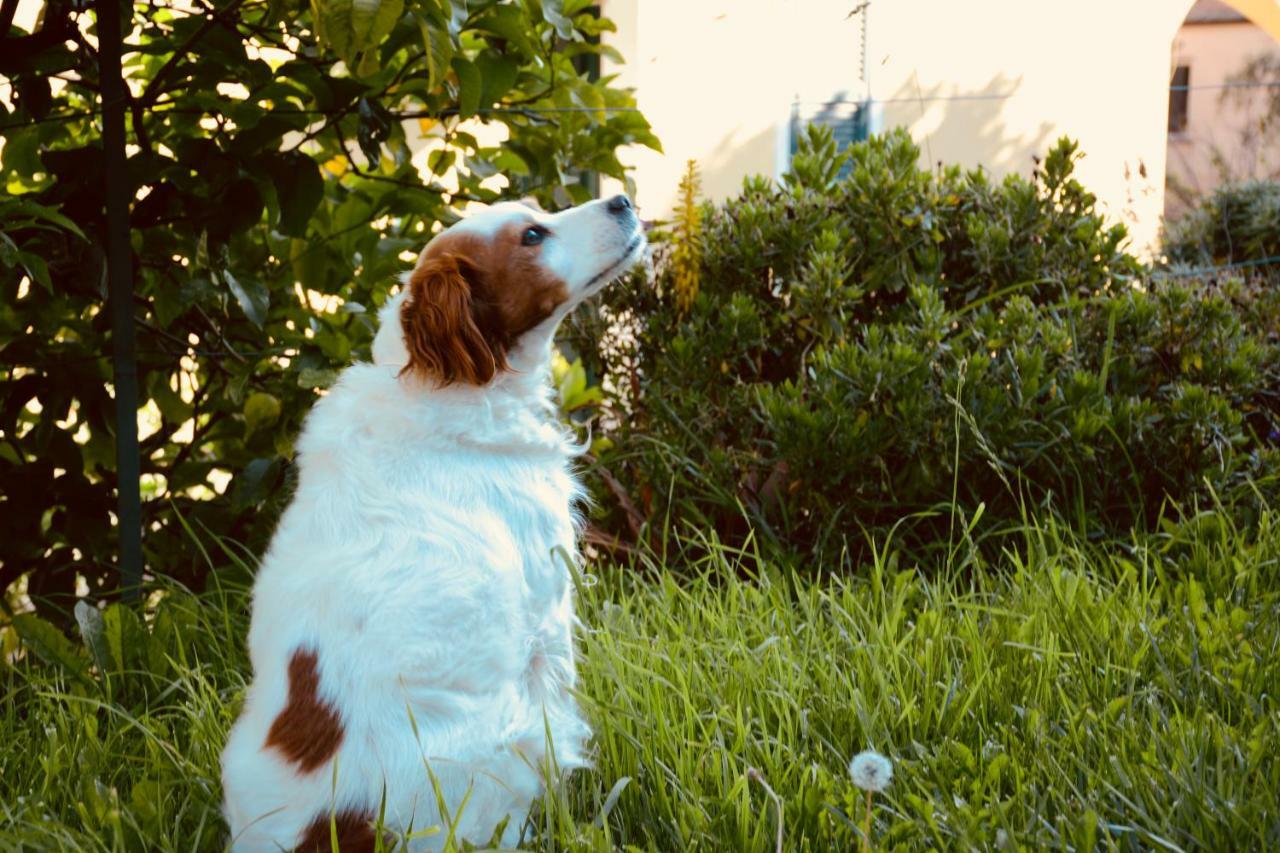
[120,289]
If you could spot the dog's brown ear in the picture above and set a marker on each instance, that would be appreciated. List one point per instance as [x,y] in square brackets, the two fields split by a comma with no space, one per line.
[442,327]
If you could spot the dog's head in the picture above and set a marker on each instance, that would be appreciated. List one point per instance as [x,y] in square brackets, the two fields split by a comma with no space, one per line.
[502,278]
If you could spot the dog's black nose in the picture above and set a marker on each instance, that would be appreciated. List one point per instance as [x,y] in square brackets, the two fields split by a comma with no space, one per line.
[619,204]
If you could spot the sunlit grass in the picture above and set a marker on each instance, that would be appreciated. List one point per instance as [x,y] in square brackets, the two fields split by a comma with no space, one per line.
[1065,695]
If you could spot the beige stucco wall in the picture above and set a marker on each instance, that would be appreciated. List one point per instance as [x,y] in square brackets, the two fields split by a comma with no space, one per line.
[717,78]
[979,82]
[1214,141]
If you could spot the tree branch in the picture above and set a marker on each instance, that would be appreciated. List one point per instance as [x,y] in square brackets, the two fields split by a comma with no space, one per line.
[342,144]
[153,89]
[137,111]
[17,52]
[635,518]
[222,338]
[7,10]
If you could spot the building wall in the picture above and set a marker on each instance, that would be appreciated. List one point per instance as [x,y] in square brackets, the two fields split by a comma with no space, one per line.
[717,79]
[1220,139]
[983,83]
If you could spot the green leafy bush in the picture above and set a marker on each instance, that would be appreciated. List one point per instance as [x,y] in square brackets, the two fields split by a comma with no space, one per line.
[1237,223]
[275,196]
[912,343]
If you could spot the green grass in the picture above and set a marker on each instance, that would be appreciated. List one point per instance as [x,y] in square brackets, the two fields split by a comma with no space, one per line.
[1063,694]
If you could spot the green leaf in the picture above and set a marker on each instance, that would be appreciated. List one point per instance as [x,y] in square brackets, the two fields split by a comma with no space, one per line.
[511,23]
[143,800]
[93,630]
[320,87]
[299,190]
[36,268]
[511,162]
[369,63]
[480,167]
[22,151]
[311,377]
[588,24]
[441,160]
[438,51]
[470,86]
[333,26]
[49,644]
[611,800]
[553,13]
[241,206]
[265,133]
[308,263]
[260,410]
[354,210]
[590,96]
[162,640]
[13,208]
[372,20]
[252,296]
[498,73]
[126,638]
[250,484]
[373,130]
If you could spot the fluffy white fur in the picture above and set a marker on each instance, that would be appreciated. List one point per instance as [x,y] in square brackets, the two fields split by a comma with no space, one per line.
[423,558]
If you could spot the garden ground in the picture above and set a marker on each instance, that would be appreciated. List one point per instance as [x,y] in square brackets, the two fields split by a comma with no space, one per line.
[1056,693]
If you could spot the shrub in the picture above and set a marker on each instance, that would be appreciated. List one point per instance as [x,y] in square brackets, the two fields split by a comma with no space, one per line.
[1099,409]
[1237,223]
[903,342]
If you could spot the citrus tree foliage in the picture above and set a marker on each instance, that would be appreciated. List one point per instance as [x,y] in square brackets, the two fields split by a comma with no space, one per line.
[276,197]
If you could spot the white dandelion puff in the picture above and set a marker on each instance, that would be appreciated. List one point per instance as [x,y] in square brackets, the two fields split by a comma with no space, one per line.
[871,771]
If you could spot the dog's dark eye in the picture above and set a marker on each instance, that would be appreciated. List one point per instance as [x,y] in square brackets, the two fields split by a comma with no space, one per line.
[533,235]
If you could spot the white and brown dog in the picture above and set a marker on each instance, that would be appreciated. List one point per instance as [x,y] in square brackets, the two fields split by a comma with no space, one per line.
[412,629]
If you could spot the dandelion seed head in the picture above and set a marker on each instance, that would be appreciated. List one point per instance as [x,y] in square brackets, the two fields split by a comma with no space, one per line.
[871,771]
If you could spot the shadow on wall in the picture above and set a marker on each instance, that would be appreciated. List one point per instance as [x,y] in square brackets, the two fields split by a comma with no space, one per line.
[951,126]
[967,127]
[734,158]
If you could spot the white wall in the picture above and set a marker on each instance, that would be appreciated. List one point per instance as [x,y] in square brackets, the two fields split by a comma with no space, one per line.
[717,79]
[977,82]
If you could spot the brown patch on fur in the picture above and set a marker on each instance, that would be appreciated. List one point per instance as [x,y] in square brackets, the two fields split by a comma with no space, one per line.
[441,321]
[470,300]
[308,731]
[356,834]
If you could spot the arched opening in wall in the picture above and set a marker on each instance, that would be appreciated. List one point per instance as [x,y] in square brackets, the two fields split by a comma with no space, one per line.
[1224,100]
